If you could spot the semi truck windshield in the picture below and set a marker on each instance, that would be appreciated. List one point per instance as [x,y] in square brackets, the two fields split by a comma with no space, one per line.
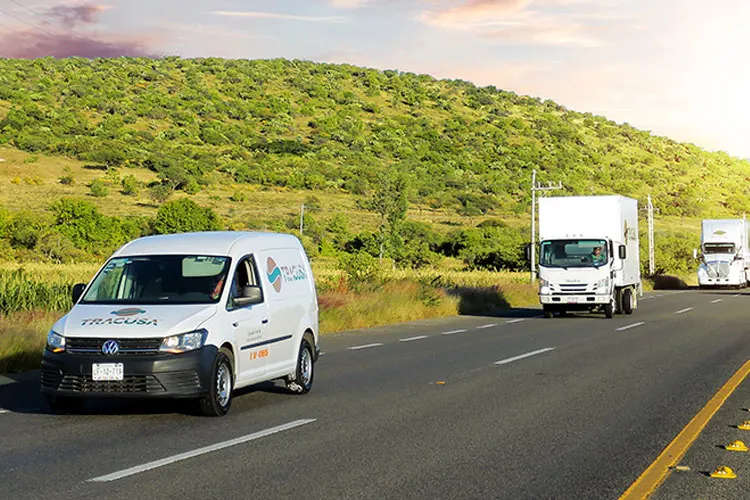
[573,253]
[718,248]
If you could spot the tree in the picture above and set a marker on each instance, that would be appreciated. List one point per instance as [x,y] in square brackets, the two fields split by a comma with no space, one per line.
[390,201]
[183,216]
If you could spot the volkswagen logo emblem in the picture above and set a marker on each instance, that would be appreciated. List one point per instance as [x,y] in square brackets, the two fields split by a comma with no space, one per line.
[110,348]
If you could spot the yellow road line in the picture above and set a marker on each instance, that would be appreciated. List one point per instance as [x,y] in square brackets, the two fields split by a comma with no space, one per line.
[657,472]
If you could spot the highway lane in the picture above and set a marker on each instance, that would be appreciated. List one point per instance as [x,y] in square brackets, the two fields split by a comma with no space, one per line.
[423,411]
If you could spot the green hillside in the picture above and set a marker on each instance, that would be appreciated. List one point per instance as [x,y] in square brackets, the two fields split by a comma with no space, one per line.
[333,128]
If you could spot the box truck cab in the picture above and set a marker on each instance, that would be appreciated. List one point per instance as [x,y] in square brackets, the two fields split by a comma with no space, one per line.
[724,257]
[588,255]
[193,315]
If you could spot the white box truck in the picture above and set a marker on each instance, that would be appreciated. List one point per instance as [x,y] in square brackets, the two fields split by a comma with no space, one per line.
[725,256]
[588,255]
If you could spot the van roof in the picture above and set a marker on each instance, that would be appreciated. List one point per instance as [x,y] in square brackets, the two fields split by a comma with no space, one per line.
[206,243]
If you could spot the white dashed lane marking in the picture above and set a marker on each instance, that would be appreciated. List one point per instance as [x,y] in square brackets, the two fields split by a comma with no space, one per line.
[628,327]
[486,326]
[421,337]
[515,321]
[684,310]
[453,331]
[366,346]
[523,356]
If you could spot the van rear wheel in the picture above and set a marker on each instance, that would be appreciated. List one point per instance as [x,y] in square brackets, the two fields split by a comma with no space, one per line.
[302,380]
[219,398]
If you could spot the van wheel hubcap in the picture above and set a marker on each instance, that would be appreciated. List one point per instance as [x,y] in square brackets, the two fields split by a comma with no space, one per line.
[306,366]
[223,385]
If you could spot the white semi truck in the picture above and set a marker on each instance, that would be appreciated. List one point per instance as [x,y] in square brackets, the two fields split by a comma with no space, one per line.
[725,256]
[588,255]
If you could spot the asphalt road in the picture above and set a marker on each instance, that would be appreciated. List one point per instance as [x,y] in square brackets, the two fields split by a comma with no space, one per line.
[509,407]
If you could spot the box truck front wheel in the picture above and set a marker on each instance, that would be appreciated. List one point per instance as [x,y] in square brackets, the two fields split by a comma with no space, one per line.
[628,301]
[609,310]
[548,313]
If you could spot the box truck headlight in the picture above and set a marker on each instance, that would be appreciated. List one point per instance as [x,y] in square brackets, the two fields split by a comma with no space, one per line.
[602,286]
[544,287]
[55,342]
[185,342]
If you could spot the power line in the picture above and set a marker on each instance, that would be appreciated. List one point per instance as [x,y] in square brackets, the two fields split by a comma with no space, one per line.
[26,22]
[50,21]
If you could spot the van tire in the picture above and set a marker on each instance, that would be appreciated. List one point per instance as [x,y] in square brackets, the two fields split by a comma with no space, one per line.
[61,405]
[302,380]
[218,400]
[628,301]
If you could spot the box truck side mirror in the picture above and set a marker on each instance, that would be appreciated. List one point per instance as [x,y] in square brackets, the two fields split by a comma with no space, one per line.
[527,252]
[622,252]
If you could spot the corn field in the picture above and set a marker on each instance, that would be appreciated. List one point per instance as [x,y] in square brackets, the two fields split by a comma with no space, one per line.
[21,292]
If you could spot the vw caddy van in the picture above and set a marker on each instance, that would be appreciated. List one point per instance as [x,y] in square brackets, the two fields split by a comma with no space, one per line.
[192,315]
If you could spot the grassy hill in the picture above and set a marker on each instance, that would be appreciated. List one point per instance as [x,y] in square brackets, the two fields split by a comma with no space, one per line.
[307,126]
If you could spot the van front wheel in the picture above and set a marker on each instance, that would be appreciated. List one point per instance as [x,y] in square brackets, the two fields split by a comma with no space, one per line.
[219,398]
[302,380]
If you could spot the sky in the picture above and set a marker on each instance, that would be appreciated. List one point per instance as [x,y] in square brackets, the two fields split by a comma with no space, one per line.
[674,67]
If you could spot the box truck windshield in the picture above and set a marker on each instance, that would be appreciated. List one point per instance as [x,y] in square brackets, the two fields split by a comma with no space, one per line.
[573,253]
[159,279]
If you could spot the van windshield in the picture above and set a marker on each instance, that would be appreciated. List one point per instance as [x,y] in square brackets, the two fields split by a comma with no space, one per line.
[162,279]
[573,253]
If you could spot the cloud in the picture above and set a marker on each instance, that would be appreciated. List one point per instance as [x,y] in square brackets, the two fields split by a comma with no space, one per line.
[348,4]
[48,39]
[273,15]
[527,22]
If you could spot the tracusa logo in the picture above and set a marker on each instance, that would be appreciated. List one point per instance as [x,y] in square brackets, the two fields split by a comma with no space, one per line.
[133,311]
[274,274]
[110,348]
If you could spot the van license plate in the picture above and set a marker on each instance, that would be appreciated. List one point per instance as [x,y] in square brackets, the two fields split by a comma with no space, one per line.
[107,371]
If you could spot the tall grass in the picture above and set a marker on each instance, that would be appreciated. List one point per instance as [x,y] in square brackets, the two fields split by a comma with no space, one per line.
[22,339]
[20,292]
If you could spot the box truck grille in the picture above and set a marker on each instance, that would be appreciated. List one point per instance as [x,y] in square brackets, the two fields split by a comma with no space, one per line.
[128,347]
[718,270]
[573,289]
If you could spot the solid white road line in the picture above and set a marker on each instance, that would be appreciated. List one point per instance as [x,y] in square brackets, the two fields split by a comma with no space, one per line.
[628,327]
[522,356]
[421,337]
[453,331]
[486,326]
[716,301]
[684,310]
[515,321]
[200,451]
[357,347]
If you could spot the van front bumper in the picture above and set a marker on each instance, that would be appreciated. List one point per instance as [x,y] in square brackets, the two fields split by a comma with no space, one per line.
[185,375]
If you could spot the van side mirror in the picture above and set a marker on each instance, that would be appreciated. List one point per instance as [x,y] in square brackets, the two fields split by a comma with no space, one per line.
[250,295]
[527,252]
[78,289]
[695,253]
[622,252]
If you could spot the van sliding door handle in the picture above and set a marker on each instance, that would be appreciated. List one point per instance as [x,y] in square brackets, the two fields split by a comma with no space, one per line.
[235,325]
[265,321]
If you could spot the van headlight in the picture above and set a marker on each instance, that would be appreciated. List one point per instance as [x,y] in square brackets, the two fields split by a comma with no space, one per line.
[544,287]
[602,286]
[55,342]
[177,344]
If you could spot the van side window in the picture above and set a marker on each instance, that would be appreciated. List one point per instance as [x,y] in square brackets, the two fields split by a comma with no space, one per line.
[245,275]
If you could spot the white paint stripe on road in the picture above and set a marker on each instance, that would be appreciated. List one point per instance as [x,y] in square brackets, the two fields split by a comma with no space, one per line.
[628,327]
[684,310]
[366,346]
[515,321]
[522,356]
[200,451]
[738,295]
[453,331]
[716,301]
[421,337]
[490,325]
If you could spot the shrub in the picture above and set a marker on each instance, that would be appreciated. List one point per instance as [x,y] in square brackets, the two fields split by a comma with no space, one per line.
[98,188]
[130,186]
[183,216]
[238,196]
[361,269]
[67,180]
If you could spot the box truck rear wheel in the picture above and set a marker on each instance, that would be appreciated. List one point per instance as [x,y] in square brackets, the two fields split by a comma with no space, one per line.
[628,301]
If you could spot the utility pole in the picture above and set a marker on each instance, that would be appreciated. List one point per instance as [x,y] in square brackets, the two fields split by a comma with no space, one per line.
[534,188]
[651,250]
[301,219]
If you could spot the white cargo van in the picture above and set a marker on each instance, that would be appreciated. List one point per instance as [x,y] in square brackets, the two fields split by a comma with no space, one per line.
[724,255]
[194,315]
[589,257]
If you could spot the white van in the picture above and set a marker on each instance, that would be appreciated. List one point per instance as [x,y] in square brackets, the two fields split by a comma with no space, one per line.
[192,315]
